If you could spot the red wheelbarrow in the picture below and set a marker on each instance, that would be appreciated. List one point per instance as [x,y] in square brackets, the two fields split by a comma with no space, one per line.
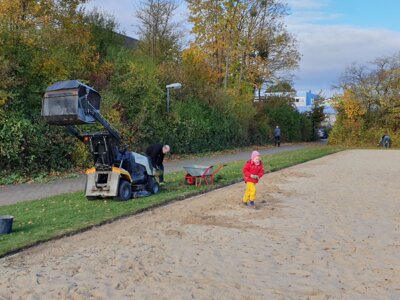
[196,174]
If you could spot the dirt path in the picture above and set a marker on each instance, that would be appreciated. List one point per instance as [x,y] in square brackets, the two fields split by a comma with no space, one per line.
[326,229]
[11,194]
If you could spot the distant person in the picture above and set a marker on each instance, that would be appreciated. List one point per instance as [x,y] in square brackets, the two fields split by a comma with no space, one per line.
[156,153]
[385,141]
[253,170]
[277,136]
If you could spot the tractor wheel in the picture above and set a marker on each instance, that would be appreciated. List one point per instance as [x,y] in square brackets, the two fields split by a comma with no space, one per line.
[152,185]
[124,190]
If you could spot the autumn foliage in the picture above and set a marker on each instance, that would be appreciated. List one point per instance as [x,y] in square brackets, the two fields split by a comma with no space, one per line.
[370,104]
[234,49]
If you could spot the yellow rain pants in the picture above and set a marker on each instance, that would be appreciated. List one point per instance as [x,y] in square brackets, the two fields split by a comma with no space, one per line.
[250,194]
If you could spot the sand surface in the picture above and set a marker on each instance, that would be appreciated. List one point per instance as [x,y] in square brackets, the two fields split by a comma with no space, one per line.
[326,229]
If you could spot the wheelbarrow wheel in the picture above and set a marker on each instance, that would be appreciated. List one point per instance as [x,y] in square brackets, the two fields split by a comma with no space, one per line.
[190,180]
[124,191]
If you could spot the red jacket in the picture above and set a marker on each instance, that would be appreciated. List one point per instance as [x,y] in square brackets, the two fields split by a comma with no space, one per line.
[252,169]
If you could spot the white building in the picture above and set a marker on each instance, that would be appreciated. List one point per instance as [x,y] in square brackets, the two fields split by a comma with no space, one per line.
[299,101]
[304,104]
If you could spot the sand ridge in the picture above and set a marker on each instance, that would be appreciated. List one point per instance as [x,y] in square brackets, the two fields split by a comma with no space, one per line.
[326,229]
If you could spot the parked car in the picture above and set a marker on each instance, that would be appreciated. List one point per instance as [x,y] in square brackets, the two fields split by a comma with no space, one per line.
[322,133]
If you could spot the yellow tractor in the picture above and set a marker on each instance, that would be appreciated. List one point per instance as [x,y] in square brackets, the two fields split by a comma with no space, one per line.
[117,172]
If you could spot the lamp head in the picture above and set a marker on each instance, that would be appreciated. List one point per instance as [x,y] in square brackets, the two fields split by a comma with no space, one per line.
[174,86]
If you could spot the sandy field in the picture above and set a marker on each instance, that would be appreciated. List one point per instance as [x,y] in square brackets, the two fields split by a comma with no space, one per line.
[326,229]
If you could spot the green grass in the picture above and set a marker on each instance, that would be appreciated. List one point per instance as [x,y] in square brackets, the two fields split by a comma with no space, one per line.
[49,218]
[47,177]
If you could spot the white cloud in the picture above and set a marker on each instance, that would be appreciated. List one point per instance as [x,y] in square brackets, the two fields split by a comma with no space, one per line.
[328,50]
[124,13]
[310,17]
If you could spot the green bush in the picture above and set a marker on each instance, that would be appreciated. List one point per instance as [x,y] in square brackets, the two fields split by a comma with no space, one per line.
[354,133]
[193,127]
[294,126]
[30,146]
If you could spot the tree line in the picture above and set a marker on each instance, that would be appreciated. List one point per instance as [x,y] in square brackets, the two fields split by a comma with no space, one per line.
[237,46]
[370,104]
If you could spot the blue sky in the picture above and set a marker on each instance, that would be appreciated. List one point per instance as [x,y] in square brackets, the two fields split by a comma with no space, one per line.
[331,34]
[362,13]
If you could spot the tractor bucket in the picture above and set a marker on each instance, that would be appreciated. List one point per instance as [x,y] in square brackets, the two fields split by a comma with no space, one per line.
[67,103]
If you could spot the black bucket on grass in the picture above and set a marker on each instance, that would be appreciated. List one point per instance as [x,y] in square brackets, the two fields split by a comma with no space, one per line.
[6,224]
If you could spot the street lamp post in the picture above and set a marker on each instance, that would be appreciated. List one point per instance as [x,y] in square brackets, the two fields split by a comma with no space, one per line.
[175,86]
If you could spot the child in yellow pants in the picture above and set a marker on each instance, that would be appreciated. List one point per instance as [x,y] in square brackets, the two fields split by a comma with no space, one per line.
[253,170]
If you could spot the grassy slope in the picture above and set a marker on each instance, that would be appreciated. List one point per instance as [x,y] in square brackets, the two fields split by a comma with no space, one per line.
[54,217]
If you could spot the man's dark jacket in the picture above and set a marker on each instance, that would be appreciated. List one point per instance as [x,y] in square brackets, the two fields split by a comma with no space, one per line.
[155,152]
[277,132]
